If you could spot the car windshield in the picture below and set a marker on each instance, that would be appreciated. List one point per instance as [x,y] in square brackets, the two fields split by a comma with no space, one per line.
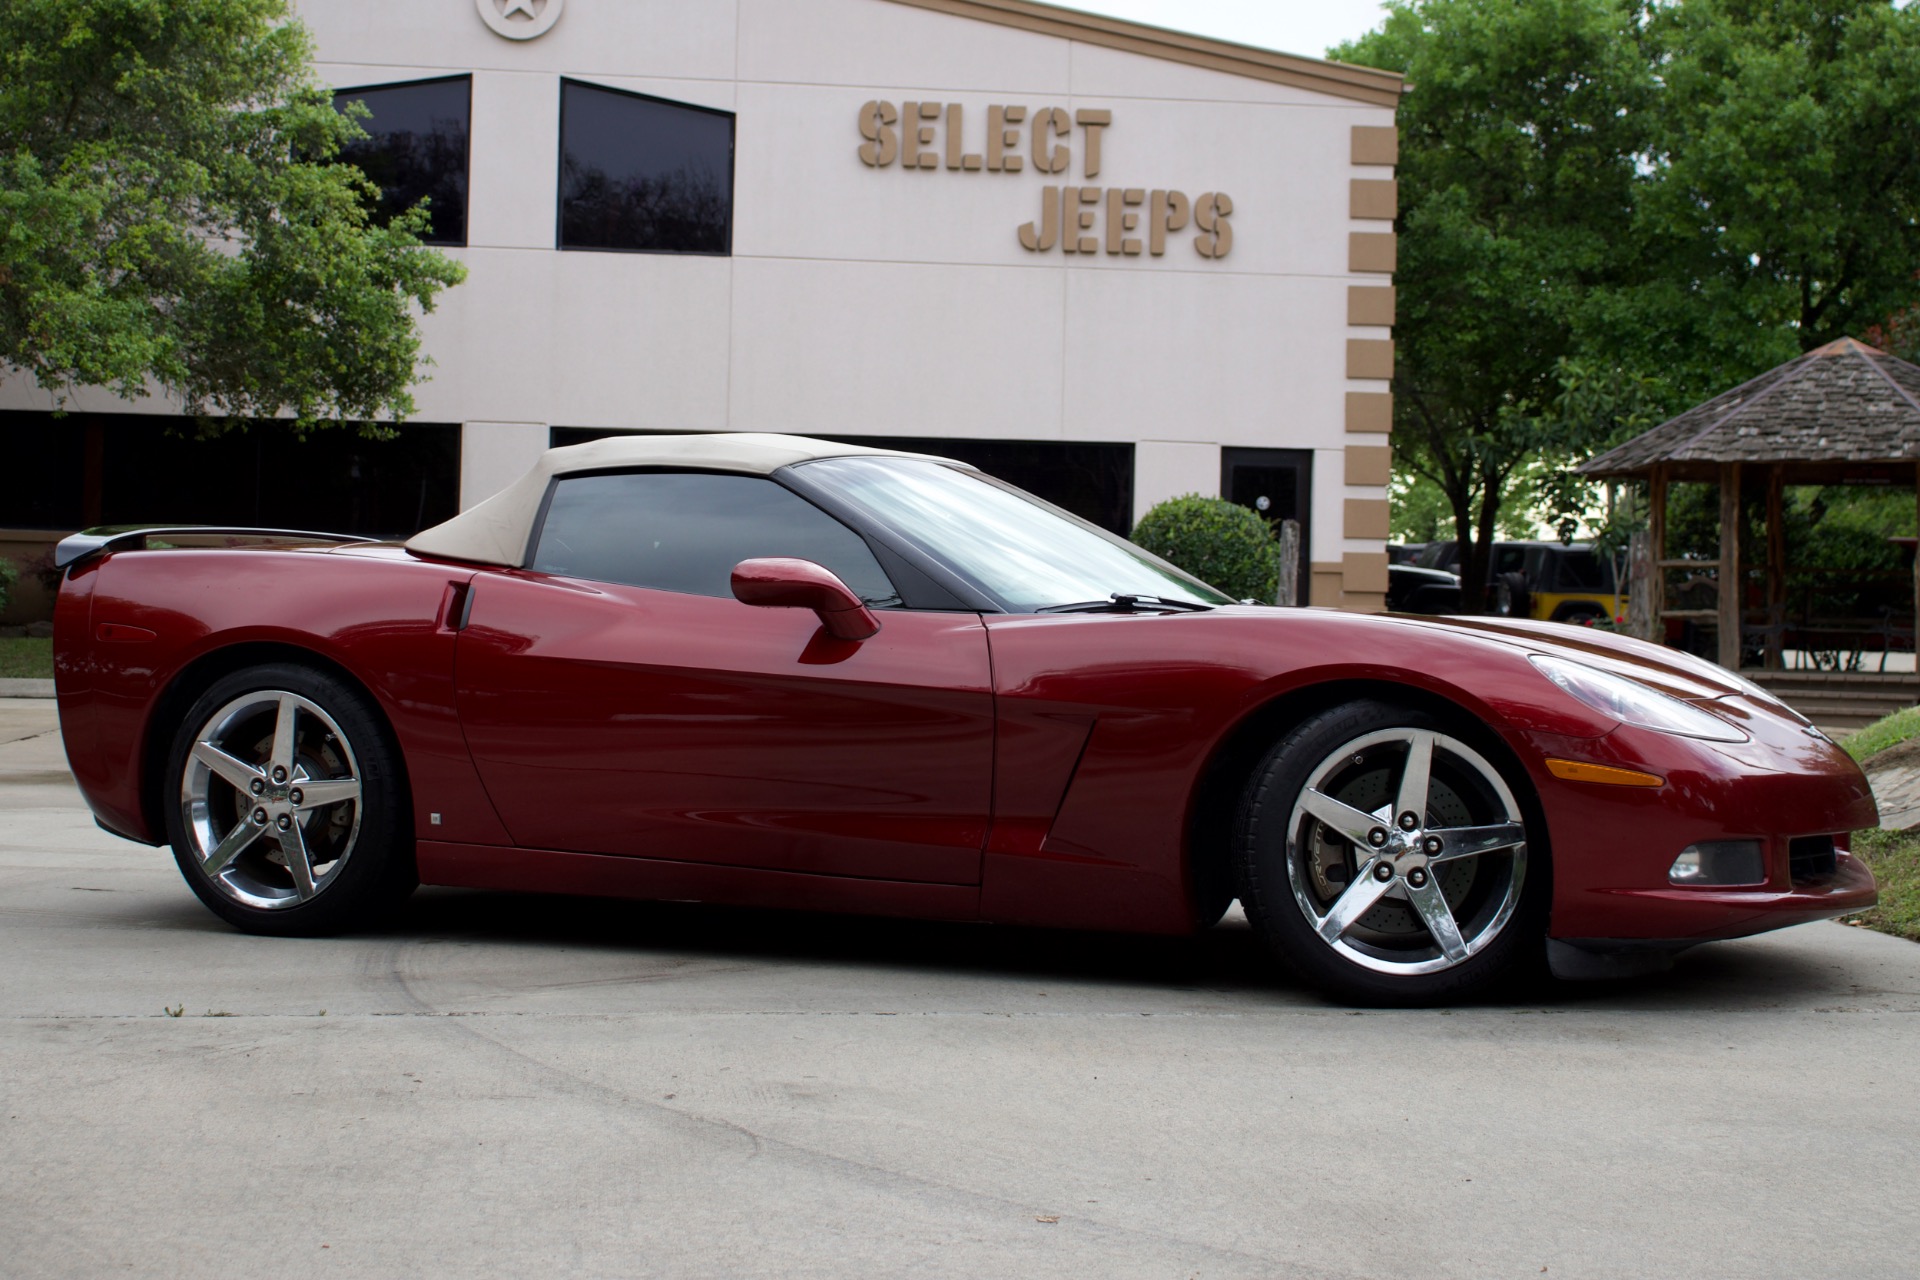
[1026,554]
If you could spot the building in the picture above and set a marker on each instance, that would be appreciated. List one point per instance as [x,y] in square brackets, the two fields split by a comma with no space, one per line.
[1110,263]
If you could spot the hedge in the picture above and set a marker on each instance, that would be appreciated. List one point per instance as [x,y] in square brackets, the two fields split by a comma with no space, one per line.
[1218,542]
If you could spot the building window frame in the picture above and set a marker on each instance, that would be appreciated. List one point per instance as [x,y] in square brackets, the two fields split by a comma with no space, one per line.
[466,159]
[560,171]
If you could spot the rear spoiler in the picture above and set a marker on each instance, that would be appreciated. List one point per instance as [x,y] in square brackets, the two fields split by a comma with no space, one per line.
[88,543]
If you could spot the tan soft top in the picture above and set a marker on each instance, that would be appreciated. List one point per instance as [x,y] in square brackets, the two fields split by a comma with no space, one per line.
[496,531]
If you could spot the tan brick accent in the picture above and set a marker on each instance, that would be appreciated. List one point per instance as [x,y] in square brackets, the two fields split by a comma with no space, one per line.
[1370,412]
[1328,584]
[1369,464]
[1376,144]
[1371,251]
[1367,518]
[1365,570]
[1370,304]
[1370,357]
[1364,601]
[1373,198]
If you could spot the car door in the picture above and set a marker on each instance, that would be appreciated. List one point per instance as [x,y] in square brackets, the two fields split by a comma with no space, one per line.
[617,699]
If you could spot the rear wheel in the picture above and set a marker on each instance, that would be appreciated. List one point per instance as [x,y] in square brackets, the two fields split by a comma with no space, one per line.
[287,811]
[1389,860]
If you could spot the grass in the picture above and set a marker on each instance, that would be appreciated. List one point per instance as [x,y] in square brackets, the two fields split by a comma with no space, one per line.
[1881,734]
[1894,857]
[24,656]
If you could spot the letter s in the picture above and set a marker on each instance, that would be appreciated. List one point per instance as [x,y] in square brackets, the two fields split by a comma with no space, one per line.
[882,143]
[1210,215]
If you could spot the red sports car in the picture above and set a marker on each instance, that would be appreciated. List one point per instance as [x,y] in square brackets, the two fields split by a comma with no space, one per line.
[777,671]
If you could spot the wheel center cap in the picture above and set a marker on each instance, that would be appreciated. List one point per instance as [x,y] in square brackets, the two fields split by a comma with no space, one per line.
[1405,850]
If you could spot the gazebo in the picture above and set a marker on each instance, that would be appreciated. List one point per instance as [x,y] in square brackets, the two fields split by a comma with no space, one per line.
[1844,413]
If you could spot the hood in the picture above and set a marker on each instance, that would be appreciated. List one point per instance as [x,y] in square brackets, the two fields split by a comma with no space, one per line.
[1672,672]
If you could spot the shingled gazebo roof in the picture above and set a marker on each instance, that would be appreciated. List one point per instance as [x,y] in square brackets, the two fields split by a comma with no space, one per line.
[1834,413]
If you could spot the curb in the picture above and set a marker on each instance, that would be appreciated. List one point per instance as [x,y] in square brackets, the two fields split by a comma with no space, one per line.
[19,688]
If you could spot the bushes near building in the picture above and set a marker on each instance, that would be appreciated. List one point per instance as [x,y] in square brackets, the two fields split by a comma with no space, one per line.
[1219,542]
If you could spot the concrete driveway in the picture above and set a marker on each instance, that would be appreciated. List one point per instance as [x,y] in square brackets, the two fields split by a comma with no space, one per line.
[516,1086]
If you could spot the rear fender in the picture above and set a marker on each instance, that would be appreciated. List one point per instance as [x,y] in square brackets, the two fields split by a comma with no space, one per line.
[378,617]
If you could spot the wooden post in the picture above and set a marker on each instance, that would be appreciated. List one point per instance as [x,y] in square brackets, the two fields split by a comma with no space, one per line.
[1657,553]
[1730,565]
[1776,567]
[1289,552]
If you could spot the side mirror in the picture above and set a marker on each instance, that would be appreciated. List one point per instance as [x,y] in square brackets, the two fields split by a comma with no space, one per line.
[780,582]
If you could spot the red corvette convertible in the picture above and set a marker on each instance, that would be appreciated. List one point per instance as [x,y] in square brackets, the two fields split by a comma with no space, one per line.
[777,671]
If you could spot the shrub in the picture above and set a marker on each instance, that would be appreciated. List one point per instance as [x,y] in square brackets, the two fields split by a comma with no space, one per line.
[1218,542]
[7,574]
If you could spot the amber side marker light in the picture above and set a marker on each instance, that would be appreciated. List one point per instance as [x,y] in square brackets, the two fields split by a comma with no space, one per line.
[1580,771]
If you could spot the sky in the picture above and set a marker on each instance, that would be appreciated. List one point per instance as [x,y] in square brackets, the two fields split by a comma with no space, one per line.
[1307,27]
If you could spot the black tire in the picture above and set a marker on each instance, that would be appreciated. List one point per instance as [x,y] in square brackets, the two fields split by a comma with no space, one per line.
[1296,869]
[1577,612]
[260,851]
[1508,597]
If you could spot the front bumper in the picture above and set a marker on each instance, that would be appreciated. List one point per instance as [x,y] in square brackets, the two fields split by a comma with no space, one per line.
[1612,846]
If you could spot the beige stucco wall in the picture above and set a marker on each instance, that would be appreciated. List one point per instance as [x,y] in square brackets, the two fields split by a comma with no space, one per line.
[900,302]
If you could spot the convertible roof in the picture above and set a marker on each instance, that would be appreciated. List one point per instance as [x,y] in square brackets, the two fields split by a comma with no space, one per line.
[496,531]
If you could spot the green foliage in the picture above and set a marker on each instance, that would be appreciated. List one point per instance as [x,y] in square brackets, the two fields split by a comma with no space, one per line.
[1894,859]
[26,658]
[1517,172]
[1611,210]
[1784,186]
[170,209]
[1891,731]
[8,575]
[1219,542]
[1420,509]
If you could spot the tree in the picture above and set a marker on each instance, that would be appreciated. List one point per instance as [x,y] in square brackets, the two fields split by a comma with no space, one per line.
[1611,209]
[1516,173]
[1784,185]
[171,212]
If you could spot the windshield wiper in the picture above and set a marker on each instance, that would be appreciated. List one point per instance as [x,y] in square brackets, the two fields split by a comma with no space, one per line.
[1124,602]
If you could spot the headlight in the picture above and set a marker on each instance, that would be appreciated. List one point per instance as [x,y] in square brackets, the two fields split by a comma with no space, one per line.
[1631,702]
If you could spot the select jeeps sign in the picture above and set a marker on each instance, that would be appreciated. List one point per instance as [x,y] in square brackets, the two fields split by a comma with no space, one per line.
[1123,221]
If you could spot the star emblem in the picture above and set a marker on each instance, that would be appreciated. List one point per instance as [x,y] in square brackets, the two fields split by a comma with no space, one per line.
[519,19]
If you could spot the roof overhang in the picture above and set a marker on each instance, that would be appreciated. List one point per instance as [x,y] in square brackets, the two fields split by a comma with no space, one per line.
[1338,79]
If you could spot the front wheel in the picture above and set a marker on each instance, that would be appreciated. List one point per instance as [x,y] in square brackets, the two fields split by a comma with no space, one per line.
[1389,860]
[288,809]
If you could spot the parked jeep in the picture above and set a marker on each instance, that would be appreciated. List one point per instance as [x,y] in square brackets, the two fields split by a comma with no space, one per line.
[1551,581]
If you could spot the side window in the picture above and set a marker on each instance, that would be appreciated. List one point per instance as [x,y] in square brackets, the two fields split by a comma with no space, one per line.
[415,148]
[684,531]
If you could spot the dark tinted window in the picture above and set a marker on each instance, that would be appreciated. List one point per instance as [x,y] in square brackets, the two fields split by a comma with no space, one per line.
[643,173]
[83,469]
[1582,571]
[684,531]
[415,149]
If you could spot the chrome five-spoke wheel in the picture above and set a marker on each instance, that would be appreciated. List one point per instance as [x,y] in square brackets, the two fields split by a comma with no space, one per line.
[1388,857]
[288,813]
[1407,853]
[270,799]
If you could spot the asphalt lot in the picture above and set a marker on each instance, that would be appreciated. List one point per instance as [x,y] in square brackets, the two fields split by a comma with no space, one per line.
[511,1086]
